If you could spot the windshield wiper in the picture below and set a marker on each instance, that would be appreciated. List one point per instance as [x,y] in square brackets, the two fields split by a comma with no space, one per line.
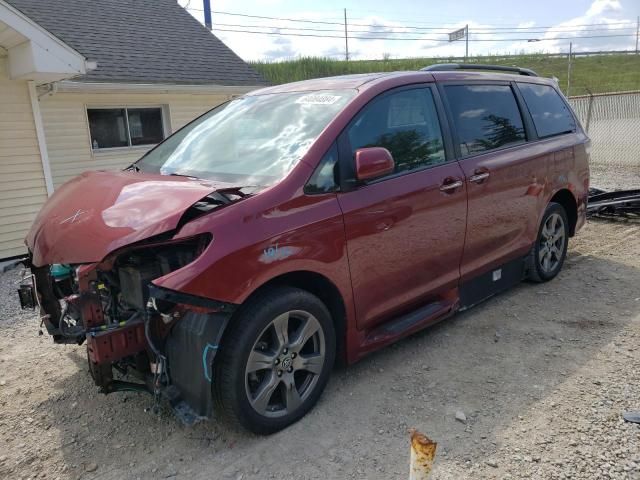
[176,174]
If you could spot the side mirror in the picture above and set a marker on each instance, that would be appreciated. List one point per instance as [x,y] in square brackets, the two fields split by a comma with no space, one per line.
[373,162]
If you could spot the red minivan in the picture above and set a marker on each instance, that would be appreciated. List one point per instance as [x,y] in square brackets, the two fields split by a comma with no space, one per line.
[232,265]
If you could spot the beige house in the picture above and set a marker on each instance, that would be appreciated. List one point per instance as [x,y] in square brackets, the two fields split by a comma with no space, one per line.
[94,84]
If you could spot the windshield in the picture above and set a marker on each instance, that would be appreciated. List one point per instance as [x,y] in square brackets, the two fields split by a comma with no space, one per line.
[253,140]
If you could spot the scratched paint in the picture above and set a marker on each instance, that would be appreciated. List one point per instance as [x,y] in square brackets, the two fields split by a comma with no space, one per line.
[275,252]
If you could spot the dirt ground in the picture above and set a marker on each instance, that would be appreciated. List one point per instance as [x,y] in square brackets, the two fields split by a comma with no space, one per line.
[542,374]
[614,176]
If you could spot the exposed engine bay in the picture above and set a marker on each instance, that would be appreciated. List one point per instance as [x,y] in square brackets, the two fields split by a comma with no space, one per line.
[139,337]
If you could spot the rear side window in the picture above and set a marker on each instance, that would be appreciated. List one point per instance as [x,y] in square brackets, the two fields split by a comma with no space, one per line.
[405,123]
[486,117]
[549,112]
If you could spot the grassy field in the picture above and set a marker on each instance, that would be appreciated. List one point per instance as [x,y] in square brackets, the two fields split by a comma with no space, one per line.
[595,74]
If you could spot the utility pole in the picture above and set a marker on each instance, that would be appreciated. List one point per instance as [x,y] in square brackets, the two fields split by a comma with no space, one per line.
[569,71]
[466,36]
[637,32]
[207,14]
[346,37]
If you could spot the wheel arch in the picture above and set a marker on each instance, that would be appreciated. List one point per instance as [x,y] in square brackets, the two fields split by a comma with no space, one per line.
[323,288]
[565,198]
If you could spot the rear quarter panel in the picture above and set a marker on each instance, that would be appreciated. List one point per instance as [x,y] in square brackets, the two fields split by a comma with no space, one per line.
[568,168]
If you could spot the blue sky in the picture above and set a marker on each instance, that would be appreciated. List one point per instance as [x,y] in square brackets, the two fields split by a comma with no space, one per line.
[550,22]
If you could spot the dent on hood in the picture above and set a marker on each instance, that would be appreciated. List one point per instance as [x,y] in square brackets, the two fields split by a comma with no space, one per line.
[99,212]
[134,206]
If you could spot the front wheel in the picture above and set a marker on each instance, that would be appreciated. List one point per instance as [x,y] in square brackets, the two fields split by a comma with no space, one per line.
[275,360]
[548,253]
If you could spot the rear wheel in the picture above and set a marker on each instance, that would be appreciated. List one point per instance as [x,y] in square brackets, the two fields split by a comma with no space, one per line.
[275,360]
[548,253]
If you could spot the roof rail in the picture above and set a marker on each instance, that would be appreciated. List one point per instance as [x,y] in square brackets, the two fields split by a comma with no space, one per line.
[441,67]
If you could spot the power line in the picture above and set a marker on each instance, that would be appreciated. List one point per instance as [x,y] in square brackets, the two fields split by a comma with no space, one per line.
[442,18]
[322,22]
[513,27]
[416,39]
[395,32]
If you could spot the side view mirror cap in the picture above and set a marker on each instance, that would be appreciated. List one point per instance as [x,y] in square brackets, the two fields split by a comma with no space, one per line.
[373,162]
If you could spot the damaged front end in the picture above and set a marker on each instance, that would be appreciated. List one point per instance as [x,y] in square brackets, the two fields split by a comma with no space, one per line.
[139,336]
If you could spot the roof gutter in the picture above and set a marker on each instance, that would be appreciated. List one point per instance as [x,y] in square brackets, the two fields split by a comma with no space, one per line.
[68,86]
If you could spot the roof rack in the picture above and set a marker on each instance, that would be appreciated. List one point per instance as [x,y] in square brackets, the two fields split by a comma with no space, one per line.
[441,67]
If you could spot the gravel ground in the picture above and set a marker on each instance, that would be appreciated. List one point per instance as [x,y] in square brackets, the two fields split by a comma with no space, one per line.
[541,374]
[615,177]
[10,311]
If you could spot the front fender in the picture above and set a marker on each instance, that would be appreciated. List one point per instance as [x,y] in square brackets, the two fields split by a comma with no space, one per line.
[305,233]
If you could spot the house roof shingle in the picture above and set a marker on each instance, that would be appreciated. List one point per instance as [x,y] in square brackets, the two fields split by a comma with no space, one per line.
[140,41]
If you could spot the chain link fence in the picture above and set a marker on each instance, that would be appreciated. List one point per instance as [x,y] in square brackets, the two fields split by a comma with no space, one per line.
[612,121]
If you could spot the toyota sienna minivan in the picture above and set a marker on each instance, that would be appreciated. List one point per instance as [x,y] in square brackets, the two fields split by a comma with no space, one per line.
[231,266]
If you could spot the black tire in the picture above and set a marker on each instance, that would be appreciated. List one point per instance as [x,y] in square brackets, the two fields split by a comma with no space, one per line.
[537,268]
[252,331]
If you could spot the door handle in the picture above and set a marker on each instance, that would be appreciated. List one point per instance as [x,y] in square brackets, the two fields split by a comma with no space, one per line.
[479,177]
[447,187]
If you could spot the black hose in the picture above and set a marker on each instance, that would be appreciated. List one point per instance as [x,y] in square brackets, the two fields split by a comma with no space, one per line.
[147,334]
[160,358]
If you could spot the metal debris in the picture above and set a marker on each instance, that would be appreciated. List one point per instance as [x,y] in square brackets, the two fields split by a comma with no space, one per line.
[619,203]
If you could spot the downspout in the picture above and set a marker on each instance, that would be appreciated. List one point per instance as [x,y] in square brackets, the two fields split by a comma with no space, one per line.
[42,142]
[52,89]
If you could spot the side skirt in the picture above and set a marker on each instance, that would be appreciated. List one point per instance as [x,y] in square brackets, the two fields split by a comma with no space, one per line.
[488,284]
[395,329]
[465,296]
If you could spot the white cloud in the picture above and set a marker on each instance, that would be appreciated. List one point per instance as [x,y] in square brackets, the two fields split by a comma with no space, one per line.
[609,14]
[598,7]
[605,13]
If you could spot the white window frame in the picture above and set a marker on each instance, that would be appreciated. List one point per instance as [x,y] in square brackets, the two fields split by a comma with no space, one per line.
[164,116]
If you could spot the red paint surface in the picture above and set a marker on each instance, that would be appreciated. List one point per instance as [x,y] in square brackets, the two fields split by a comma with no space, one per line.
[387,247]
[373,162]
[405,239]
[99,212]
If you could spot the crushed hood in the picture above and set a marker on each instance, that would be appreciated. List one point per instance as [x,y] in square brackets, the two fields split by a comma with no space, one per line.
[98,212]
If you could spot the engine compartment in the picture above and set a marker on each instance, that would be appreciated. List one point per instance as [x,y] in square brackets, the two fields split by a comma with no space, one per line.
[139,337]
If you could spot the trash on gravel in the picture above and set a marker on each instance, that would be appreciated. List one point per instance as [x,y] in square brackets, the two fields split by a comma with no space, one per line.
[461,417]
[633,417]
[423,452]
[624,203]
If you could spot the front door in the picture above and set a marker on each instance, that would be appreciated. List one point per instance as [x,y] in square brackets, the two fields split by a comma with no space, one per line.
[405,232]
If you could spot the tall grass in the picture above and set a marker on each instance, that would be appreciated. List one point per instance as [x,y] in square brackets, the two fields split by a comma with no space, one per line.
[595,74]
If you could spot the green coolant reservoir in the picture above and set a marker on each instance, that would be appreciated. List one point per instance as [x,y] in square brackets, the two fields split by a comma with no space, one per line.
[59,271]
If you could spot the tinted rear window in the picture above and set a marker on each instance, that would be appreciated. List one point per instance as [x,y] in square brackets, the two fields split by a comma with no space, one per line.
[486,117]
[549,112]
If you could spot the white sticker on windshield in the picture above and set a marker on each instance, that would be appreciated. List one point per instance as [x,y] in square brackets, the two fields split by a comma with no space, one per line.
[318,99]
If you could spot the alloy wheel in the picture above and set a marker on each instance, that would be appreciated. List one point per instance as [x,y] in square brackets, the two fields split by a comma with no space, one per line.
[285,363]
[552,243]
